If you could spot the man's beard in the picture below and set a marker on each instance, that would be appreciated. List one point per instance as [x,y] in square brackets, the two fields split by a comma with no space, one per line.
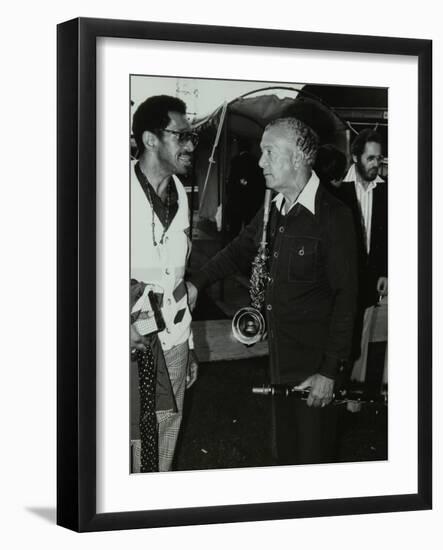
[367,175]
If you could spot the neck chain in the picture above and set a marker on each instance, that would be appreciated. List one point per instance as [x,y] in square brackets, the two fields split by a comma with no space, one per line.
[147,186]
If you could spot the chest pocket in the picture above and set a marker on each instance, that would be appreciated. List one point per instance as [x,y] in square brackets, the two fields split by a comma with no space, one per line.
[303,259]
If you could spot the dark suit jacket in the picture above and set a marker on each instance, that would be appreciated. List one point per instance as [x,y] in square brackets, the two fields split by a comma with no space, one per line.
[375,264]
[311,295]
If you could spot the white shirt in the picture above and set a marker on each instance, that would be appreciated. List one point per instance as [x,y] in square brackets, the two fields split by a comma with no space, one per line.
[364,197]
[306,198]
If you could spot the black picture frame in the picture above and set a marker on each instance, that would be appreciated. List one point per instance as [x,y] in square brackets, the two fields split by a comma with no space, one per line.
[76,265]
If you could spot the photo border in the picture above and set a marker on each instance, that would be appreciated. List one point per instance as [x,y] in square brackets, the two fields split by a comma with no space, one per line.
[76,273]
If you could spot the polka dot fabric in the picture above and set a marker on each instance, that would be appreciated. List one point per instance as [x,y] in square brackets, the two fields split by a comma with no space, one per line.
[148,420]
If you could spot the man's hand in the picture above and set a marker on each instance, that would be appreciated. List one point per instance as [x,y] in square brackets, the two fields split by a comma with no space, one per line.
[192,295]
[382,286]
[137,340]
[192,374]
[321,390]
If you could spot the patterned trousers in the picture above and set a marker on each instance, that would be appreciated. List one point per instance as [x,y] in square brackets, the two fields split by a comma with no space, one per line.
[168,422]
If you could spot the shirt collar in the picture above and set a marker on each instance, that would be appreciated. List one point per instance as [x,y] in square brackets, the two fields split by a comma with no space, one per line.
[307,196]
[353,176]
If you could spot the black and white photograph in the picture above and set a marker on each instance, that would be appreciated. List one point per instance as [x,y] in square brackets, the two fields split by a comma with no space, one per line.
[225,218]
[242,197]
[258,274]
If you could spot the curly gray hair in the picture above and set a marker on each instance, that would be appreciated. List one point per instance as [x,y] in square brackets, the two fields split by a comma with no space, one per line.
[305,139]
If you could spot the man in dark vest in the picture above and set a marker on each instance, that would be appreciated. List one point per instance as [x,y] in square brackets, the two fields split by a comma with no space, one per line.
[366,194]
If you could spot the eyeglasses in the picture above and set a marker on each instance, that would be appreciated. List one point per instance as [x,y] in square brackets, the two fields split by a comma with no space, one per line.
[184,136]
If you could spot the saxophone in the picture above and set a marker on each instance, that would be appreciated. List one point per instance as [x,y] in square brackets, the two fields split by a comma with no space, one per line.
[248,324]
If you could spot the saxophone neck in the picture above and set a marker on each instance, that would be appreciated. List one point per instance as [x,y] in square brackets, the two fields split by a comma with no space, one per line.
[266,211]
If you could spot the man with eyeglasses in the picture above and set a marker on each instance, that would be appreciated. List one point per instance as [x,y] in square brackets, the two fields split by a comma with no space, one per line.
[160,248]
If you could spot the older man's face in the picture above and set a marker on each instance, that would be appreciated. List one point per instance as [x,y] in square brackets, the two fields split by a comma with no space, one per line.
[277,159]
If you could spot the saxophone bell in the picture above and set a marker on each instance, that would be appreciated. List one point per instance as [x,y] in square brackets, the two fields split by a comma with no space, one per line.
[248,326]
